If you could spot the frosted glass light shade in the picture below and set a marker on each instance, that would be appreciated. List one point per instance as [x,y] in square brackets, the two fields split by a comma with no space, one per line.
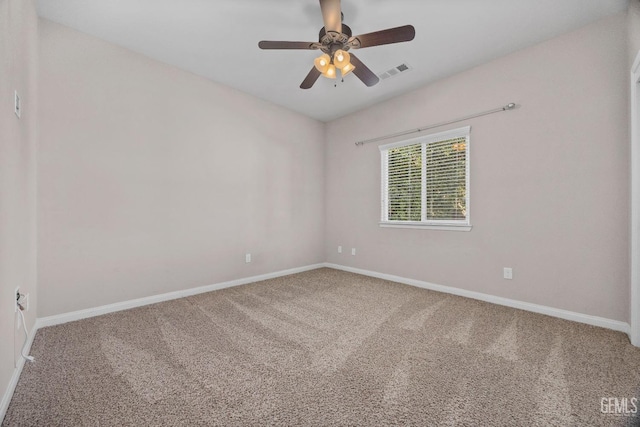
[331,72]
[341,58]
[347,69]
[322,63]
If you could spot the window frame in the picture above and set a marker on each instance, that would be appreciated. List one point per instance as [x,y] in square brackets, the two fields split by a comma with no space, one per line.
[445,225]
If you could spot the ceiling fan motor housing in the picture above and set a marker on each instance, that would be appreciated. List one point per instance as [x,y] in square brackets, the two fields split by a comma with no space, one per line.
[332,41]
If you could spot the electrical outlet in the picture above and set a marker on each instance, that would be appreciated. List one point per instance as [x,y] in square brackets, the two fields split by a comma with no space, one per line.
[508,273]
[25,302]
[247,258]
[22,299]
[339,249]
[16,296]
[353,251]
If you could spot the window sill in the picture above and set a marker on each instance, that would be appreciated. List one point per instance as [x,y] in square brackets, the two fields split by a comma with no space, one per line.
[417,225]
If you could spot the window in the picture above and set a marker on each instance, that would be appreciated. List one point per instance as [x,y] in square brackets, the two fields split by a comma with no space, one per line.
[425,182]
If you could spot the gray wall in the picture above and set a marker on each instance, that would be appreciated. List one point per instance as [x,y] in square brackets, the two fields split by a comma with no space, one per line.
[634,30]
[549,180]
[18,71]
[152,179]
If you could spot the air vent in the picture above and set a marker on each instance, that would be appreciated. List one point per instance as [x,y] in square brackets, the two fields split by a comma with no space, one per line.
[402,68]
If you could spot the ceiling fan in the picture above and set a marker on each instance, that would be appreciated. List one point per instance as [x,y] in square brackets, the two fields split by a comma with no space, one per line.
[336,40]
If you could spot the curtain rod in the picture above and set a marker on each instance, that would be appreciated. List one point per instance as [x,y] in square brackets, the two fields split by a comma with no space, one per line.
[507,107]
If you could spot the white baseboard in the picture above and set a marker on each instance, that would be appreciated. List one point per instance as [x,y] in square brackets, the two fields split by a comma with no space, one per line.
[536,308]
[541,309]
[125,305]
[8,393]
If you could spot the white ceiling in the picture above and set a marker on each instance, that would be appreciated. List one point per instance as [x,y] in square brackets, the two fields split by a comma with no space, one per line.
[218,39]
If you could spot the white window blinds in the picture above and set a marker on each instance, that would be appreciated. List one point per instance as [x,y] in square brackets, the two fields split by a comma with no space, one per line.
[425,181]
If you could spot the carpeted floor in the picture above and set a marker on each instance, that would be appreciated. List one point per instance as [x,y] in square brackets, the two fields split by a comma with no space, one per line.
[322,348]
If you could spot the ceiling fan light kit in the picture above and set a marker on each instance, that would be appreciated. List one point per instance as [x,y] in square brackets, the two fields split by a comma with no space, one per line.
[341,58]
[331,72]
[347,69]
[335,40]
[322,63]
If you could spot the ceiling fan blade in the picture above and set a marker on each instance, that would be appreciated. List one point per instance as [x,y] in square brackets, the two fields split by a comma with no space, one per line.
[288,45]
[332,15]
[311,78]
[363,73]
[377,38]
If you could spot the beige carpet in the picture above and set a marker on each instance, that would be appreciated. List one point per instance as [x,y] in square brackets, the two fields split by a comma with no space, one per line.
[325,348]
